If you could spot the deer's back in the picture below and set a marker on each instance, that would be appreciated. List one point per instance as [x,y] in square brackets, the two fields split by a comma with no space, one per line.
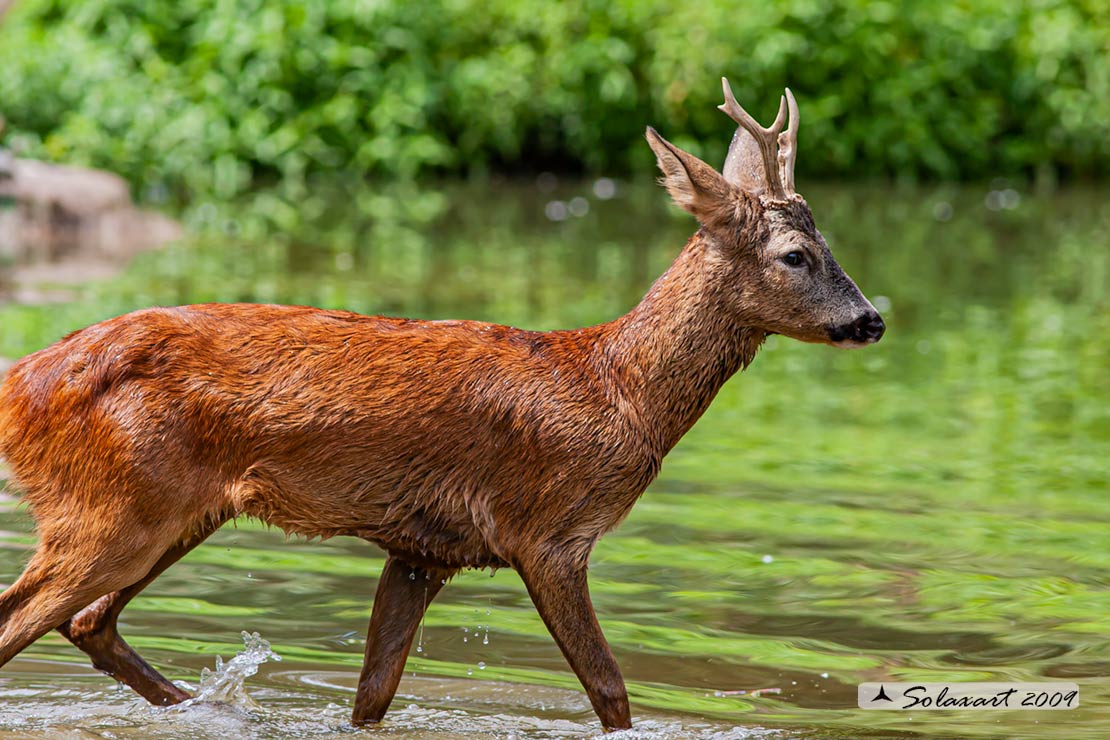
[452,441]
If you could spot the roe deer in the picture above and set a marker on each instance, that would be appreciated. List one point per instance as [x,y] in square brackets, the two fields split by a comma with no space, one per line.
[450,444]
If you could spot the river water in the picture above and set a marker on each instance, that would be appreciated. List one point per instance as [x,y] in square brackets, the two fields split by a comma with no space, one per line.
[932,508]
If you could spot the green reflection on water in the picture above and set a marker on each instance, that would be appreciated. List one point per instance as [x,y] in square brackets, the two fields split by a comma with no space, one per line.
[932,508]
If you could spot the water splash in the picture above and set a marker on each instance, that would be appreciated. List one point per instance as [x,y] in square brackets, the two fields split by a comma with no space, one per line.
[226,685]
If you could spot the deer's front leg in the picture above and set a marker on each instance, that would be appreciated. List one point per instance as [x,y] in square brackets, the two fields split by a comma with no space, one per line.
[558,589]
[403,595]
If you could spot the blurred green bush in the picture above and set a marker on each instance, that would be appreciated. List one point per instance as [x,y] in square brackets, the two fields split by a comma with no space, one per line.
[213,97]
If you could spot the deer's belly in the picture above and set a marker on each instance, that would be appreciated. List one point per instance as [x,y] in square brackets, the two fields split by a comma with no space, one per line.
[424,520]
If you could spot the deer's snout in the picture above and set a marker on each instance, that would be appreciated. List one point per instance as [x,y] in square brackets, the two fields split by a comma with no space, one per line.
[867,329]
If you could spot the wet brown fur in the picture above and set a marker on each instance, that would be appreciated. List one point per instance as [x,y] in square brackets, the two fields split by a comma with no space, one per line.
[450,444]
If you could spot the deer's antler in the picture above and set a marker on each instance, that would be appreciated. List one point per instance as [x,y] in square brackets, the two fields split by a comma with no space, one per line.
[776,148]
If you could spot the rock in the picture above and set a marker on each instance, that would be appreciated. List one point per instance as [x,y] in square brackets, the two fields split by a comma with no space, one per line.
[57,214]
[77,190]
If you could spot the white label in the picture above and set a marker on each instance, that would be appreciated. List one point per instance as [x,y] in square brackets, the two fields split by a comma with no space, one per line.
[968,696]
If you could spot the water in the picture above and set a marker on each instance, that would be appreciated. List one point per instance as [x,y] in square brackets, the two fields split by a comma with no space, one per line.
[227,684]
[934,507]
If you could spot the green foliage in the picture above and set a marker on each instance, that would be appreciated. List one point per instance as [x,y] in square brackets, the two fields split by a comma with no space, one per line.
[210,97]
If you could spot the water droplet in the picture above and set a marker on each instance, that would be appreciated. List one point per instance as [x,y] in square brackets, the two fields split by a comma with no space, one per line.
[767,559]
[470,671]
[466,639]
[556,210]
[881,303]
[824,675]
[419,648]
[578,206]
[481,665]
[604,188]
[225,684]
[942,211]
[412,576]
[485,640]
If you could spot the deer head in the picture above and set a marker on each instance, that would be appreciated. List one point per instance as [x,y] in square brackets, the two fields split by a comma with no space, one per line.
[771,264]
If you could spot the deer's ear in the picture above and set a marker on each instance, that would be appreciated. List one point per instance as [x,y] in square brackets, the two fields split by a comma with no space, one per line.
[692,183]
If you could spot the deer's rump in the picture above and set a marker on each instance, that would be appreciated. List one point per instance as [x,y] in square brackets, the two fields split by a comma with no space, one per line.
[443,441]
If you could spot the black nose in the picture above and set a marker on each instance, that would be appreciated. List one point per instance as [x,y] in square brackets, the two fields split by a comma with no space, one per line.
[872,327]
[867,328]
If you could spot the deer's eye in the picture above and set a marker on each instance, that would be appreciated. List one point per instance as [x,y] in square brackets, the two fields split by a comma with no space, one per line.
[793,258]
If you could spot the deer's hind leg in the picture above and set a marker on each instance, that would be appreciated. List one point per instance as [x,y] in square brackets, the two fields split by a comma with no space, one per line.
[89,546]
[70,570]
[95,632]
[40,599]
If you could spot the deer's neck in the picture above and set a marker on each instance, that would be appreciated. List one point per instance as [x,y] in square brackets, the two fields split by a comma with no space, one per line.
[675,350]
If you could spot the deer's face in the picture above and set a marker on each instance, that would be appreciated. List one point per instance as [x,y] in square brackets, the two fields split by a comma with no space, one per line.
[772,266]
[789,283]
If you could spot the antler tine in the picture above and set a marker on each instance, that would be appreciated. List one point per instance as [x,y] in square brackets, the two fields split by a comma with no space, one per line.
[788,145]
[780,118]
[792,129]
[741,116]
[766,138]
